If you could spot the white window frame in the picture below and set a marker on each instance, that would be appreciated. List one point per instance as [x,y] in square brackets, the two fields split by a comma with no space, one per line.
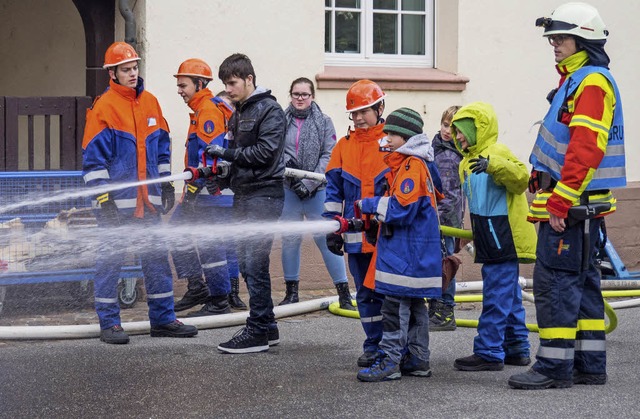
[366,58]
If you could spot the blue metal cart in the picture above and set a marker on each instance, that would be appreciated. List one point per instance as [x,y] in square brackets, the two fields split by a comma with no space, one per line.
[16,187]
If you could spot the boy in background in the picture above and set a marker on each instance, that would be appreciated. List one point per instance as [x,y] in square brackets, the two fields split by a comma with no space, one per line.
[451,212]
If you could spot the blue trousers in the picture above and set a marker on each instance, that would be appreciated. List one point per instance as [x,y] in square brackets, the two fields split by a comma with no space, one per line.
[405,327]
[369,301]
[296,209]
[156,270]
[502,330]
[192,260]
[253,256]
[569,304]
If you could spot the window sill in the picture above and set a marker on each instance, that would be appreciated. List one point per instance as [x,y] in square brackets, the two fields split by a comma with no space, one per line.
[421,79]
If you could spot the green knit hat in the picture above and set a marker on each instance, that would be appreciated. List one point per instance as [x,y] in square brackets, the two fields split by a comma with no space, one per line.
[404,122]
[467,127]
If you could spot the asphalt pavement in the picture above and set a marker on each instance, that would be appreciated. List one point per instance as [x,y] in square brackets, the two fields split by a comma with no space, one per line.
[311,374]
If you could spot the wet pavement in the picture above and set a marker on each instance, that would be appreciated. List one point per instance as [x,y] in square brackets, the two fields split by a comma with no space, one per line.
[312,373]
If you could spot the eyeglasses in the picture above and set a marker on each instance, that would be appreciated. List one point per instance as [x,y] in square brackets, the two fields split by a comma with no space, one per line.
[303,96]
[557,40]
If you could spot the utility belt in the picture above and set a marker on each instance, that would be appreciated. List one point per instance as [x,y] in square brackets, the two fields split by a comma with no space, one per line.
[584,213]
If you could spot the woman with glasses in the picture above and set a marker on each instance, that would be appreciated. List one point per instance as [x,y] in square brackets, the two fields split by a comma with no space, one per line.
[310,137]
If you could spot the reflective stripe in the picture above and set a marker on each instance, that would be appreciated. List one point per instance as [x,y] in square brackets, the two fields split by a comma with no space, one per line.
[96,174]
[591,324]
[352,237]
[408,282]
[163,295]
[566,192]
[558,333]
[383,205]
[126,203]
[163,168]
[214,264]
[103,198]
[551,140]
[591,345]
[371,319]
[333,207]
[555,353]
[193,188]
[589,123]
[106,300]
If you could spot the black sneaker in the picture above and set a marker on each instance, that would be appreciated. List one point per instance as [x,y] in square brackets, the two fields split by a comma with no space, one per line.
[476,363]
[520,361]
[115,335]
[412,365]
[533,380]
[589,379]
[273,335]
[175,329]
[246,340]
[442,318]
[368,358]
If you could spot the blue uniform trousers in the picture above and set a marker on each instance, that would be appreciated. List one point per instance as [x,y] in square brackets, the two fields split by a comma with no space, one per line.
[569,304]
[369,302]
[158,280]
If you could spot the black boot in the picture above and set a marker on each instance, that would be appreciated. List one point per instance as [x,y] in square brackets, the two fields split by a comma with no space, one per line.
[234,298]
[292,293]
[197,293]
[214,306]
[344,297]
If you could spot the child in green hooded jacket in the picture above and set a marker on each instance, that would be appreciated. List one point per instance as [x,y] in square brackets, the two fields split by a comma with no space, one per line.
[494,181]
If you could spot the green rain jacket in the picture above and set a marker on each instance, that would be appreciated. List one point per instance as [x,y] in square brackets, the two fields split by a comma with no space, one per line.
[497,203]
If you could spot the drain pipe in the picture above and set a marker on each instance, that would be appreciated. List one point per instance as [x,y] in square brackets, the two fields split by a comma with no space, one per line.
[142,327]
[129,22]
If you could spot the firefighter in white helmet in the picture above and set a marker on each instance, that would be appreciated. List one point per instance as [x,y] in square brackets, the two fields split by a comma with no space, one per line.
[577,159]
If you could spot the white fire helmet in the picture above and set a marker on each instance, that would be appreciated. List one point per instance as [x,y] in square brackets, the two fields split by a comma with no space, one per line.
[575,18]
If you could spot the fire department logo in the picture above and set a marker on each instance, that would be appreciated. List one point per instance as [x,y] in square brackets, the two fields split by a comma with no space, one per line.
[208,127]
[407,186]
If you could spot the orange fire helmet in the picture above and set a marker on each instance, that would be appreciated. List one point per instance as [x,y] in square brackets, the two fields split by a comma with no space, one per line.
[363,94]
[119,53]
[195,67]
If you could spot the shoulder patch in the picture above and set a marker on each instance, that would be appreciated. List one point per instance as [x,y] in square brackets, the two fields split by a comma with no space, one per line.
[208,126]
[407,186]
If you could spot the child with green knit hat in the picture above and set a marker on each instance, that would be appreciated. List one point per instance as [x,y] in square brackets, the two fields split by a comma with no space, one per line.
[408,258]
[494,181]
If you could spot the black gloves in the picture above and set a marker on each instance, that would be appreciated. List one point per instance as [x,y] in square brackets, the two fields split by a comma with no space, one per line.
[223,168]
[479,164]
[108,210]
[214,150]
[371,234]
[212,186]
[168,196]
[300,189]
[335,243]
[539,181]
[190,198]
